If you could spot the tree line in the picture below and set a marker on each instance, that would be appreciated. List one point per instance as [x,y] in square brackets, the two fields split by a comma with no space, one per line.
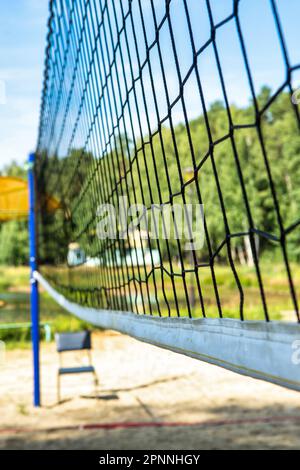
[247,176]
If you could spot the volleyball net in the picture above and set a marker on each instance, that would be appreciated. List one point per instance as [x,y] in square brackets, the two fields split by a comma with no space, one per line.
[174,155]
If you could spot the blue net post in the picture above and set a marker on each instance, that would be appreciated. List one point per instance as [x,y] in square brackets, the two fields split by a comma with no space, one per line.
[34,293]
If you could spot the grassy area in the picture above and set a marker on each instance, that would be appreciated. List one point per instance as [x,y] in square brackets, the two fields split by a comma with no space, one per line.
[159,289]
[14,291]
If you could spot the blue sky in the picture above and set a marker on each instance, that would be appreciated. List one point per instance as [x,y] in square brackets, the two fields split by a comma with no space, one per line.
[22,45]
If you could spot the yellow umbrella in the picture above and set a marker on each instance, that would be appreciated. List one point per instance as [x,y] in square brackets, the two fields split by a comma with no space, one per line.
[14,202]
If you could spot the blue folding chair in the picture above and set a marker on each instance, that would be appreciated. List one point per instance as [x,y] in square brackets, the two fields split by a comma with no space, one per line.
[79,341]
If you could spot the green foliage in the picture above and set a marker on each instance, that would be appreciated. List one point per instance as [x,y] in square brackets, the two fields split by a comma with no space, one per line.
[243,156]
[14,169]
[151,174]
[14,243]
[14,234]
[14,284]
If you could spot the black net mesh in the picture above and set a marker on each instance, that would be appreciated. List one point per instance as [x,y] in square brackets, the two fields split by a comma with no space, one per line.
[162,103]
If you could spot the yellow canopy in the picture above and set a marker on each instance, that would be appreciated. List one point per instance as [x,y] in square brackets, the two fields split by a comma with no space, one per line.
[14,199]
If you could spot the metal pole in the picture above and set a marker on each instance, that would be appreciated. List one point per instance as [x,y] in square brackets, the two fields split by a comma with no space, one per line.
[34,293]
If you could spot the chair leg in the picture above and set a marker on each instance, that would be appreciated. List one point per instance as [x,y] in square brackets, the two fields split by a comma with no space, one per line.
[96,382]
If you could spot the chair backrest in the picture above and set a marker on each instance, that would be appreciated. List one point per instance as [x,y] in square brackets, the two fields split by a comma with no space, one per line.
[73,341]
